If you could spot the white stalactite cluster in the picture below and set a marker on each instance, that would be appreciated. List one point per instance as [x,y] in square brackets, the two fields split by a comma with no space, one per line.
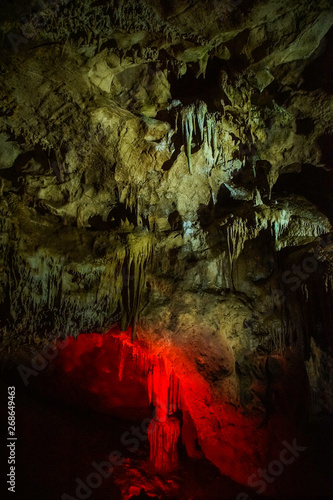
[302,227]
[188,126]
[240,229]
[278,331]
[138,253]
[196,119]
[48,282]
[279,223]
[238,232]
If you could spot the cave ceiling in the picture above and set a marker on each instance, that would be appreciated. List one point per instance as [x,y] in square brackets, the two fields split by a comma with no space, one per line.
[165,164]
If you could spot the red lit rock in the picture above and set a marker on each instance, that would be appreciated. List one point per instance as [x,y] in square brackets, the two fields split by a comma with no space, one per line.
[163,438]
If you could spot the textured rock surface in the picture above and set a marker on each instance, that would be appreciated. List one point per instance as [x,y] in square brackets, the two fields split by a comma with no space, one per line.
[170,163]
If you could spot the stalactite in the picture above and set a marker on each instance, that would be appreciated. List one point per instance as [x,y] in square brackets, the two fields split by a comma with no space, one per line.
[306,227]
[214,137]
[163,390]
[188,127]
[257,198]
[158,383]
[239,230]
[305,291]
[328,282]
[237,234]
[203,65]
[302,226]
[111,281]
[45,281]
[223,271]
[174,393]
[278,332]
[279,223]
[271,180]
[138,253]
[212,133]
[197,115]
[201,115]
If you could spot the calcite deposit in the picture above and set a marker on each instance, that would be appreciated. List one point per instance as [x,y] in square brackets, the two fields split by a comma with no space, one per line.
[167,167]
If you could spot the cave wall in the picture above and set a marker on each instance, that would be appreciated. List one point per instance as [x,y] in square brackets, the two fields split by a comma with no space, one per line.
[167,165]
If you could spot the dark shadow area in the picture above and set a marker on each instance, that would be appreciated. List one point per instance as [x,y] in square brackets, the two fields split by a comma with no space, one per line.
[189,88]
[225,201]
[175,221]
[206,214]
[238,61]
[325,143]
[260,52]
[47,163]
[268,95]
[315,184]
[319,73]
[118,214]
[209,214]
[305,126]
[57,444]
[98,224]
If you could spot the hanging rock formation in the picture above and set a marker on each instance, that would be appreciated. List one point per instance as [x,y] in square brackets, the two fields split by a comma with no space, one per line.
[167,167]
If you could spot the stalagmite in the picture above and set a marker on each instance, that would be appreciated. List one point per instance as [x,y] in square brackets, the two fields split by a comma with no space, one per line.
[163,394]
[163,438]
[164,429]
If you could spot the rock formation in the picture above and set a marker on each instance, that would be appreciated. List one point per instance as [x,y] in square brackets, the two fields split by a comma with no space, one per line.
[167,167]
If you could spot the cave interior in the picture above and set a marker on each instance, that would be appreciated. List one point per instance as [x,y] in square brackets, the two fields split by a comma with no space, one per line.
[166,262]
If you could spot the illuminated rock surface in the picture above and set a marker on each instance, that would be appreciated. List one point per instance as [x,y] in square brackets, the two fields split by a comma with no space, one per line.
[166,200]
